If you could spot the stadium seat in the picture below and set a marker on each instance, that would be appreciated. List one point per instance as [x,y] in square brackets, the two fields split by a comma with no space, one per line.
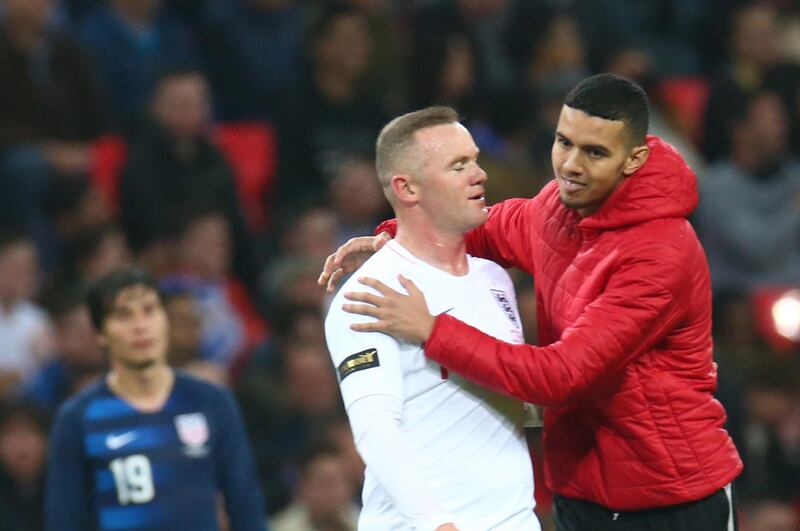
[108,158]
[250,150]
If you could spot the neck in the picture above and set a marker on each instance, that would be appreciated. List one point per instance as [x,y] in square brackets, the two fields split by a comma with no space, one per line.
[146,389]
[441,249]
[745,156]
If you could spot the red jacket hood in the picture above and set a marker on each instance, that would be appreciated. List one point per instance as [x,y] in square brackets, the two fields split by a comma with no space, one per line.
[665,187]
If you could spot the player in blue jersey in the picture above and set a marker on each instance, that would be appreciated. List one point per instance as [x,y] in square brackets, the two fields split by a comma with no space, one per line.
[147,448]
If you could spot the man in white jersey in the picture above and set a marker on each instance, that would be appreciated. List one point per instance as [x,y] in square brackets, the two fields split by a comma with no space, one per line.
[441,453]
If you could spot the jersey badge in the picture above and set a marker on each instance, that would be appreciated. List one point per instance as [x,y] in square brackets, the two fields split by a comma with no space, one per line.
[193,432]
[366,359]
[502,299]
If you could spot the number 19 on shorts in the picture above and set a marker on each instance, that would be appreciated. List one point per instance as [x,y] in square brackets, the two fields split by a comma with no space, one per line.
[134,479]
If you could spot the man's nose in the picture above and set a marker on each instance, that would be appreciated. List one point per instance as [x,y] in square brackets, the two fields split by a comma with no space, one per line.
[481,176]
[572,163]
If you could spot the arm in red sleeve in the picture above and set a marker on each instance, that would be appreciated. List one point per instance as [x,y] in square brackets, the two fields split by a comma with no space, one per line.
[504,238]
[643,301]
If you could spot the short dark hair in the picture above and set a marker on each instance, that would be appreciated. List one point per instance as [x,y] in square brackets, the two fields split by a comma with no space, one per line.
[13,235]
[15,409]
[613,97]
[397,135]
[103,292]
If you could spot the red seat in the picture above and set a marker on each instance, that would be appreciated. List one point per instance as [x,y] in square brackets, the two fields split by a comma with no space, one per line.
[250,150]
[686,98]
[108,158]
[249,147]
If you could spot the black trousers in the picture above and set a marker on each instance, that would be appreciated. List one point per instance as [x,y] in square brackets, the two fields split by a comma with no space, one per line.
[714,513]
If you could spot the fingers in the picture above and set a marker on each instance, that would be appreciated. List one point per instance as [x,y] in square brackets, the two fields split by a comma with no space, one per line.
[334,279]
[334,262]
[363,296]
[380,240]
[327,270]
[376,326]
[382,288]
[361,309]
[408,284]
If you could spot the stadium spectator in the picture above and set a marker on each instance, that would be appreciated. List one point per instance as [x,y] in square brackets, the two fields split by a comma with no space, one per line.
[77,359]
[23,452]
[51,109]
[231,325]
[185,338]
[755,60]
[355,198]
[172,163]
[749,212]
[72,206]
[285,410]
[324,497]
[26,339]
[147,448]
[329,116]
[252,51]
[132,42]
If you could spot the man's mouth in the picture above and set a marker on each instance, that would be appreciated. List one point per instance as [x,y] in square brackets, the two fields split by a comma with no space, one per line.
[571,185]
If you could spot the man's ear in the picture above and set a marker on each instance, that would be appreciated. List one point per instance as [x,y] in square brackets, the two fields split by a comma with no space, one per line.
[636,159]
[404,188]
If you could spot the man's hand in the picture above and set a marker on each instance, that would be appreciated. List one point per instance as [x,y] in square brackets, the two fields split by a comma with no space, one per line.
[404,317]
[350,257]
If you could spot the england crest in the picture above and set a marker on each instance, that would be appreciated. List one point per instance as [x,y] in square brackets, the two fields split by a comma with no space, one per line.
[502,299]
[193,432]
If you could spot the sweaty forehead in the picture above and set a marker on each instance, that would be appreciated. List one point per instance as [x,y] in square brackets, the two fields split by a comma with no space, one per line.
[443,139]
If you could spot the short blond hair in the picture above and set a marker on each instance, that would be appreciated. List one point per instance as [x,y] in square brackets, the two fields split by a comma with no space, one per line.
[396,137]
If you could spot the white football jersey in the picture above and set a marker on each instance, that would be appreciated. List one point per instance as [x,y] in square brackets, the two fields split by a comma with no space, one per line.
[469,440]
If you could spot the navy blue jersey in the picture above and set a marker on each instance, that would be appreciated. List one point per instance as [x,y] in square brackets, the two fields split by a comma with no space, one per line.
[112,467]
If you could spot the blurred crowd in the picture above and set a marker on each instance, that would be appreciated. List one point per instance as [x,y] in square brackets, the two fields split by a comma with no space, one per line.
[227,146]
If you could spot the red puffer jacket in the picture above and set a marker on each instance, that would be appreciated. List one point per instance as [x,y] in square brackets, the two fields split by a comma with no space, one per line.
[624,317]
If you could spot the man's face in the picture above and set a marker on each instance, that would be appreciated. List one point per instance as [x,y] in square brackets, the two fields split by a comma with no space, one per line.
[135,331]
[450,180]
[182,106]
[588,158]
[19,271]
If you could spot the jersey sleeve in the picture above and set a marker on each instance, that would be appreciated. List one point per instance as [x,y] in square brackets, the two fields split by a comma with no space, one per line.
[237,471]
[375,421]
[68,504]
[366,363]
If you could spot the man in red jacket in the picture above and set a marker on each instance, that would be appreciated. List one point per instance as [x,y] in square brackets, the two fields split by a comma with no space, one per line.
[633,436]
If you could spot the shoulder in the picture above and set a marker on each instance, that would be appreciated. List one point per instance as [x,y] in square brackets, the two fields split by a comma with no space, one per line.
[190,385]
[384,265]
[74,406]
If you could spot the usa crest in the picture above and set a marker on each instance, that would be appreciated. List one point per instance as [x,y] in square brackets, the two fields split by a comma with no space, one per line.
[502,299]
[193,432]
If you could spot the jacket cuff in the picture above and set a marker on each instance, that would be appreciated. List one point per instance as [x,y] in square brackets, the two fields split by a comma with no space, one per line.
[437,344]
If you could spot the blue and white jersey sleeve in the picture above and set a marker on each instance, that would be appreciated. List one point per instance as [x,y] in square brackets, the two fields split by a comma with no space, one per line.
[237,470]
